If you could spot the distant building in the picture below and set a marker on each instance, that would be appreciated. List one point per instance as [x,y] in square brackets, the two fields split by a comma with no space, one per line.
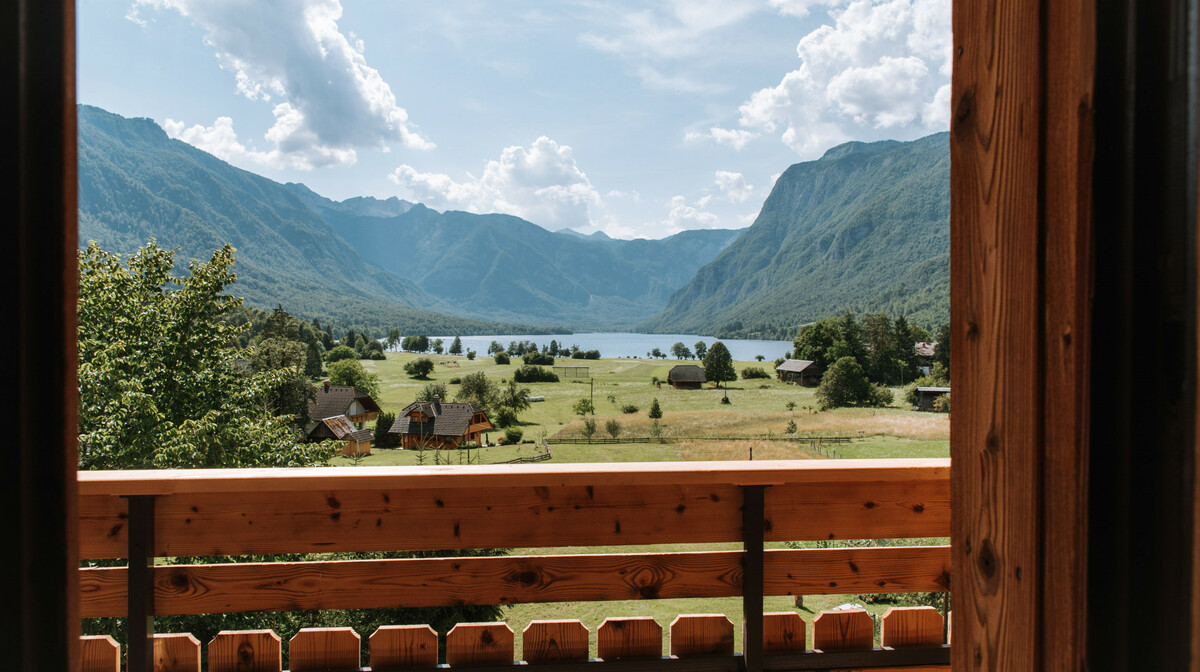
[339,413]
[927,395]
[686,377]
[433,424]
[923,356]
[800,372]
[339,427]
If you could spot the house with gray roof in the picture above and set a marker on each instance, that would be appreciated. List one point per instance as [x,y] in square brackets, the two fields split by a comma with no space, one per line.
[434,424]
[339,428]
[800,372]
[340,412]
[686,377]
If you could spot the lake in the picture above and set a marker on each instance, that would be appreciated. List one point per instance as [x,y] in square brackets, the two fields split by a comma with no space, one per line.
[630,345]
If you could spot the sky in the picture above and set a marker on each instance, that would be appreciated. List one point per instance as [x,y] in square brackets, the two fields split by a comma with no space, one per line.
[636,119]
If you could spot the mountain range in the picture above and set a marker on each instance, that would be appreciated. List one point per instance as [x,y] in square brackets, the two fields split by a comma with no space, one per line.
[864,228]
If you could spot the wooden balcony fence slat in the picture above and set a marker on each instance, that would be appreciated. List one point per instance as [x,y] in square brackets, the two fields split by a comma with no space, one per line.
[245,651]
[176,653]
[425,582]
[850,630]
[404,647]
[784,632]
[629,638]
[701,635]
[99,653]
[324,650]
[911,626]
[203,524]
[476,644]
[554,641]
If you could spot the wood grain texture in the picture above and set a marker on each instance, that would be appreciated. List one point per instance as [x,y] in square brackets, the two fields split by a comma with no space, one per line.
[553,641]
[701,635]
[324,650]
[850,630]
[221,523]
[245,651]
[365,584]
[1066,341]
[470,644]
[653,474]
[403,647]
[618,638]
[783,632]
[911,626]
[995,239]
[99,653]
[176,653]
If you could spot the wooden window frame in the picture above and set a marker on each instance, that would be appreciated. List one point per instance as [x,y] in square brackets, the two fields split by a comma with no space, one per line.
[1041,218]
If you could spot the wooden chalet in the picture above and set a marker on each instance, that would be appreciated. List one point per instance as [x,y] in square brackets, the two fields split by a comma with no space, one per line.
[686,377]
[927,395]
[339,428]
[433,424]
[800,372]
[334,400]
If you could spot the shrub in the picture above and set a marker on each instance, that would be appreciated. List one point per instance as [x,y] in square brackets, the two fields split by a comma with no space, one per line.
[471,355]
[538,358]
[592,354]
[505,418]
[846,384]
[629,408]
[613,428]
[376,354]
[754,372]
[881,395]
[434,390]
[341,352]
[501,358]
[655,411]
[534,374]
[384,438]
[584,406]
[791,427]
[578,354]
[457,380]
[654,381]
[942,403]
[513,435]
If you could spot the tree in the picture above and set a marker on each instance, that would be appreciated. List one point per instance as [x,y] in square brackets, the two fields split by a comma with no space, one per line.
[293,393]
[434,390]
[502,357]
[613,428]
[701,349]
[718,365]
[941,351]
[339,353]
[477,389]
[584,406]
[845,384]
[514,398]
[657,354]
[456,347]
[589,428]
[383,437]
[680,351]
[160,384]
[393,337]
[495,347]
[814,341]
[421,344]
[420,367]
[655,411]
[438,346]
[351,372]
[313,366]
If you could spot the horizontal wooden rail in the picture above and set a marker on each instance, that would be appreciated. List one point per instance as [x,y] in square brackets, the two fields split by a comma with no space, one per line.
[368,584]
[911,637]
[234,512]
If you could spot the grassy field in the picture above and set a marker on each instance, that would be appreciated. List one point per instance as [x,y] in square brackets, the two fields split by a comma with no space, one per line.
[758,410]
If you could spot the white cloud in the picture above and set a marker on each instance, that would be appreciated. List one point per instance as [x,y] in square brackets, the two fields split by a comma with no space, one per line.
[883,66]
[683,217]
[329,101]
[541,183]
[733,186]
[735,138]
[654,80]
[800,8]
[674,32]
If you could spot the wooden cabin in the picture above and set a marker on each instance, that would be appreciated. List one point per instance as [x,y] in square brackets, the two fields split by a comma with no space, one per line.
[333,400]
[926,396]
[340,428]
[800,372]
[433,424]
[686,377]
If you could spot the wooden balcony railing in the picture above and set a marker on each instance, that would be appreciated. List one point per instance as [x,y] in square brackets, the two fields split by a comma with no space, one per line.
[141,515]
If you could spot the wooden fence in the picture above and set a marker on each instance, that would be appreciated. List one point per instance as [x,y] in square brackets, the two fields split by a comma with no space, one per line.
[141,515]
[839,637]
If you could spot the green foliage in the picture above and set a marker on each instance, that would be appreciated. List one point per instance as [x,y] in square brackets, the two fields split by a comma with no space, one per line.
[420,368]
[504,418]
[351,372]
[941,352]
[701,349]
[718,364]
[159,383]
[340,353]
[471,355]
[502,357]
[655,411]
[680,351]
[938,377]
[865,228]
[513,435]
[845,384]
[613,427]
[532,358]
[314,367]
[942,403]
[438,346]
[534,374]
[791,427]
[456,348]
[589,428]
[434,390]
[753,372]
[384,438]
[584,406]
[513,397]
[293,393]
[477,389]
[629,408]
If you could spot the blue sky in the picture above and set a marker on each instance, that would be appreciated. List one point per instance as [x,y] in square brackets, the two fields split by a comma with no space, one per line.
[636,119]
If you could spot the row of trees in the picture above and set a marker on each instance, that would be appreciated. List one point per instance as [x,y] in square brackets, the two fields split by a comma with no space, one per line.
[881,346]
[681,351]
[423,344]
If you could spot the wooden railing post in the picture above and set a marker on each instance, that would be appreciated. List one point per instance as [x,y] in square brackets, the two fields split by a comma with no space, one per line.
[753,512]
[140,648]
